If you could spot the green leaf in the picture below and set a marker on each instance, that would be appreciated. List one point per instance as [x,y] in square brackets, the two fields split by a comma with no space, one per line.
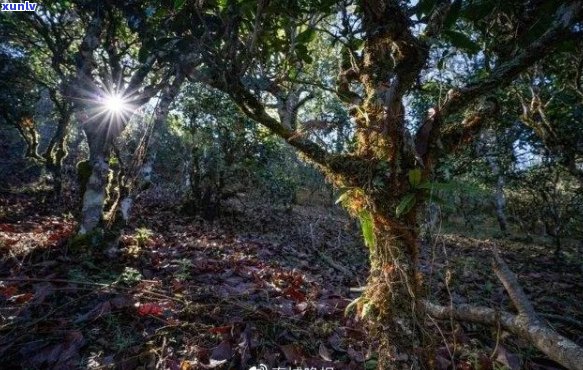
[367,226]
[178,4]
[356,44]
[415,177]
[371,364]
[367,309]
[405,205]
[446,186]
[307,59]
[461,41]
[143,54]
[222,4]
[453,15]
[425,7]
[303,53]
[306,36]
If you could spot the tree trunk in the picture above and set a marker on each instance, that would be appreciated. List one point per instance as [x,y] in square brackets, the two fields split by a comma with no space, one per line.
[95,194]
[500,203]
[395,290]
[145,163]
[57,151]
[491,146]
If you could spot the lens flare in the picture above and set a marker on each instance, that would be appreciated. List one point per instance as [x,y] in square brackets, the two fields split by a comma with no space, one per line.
[115,104]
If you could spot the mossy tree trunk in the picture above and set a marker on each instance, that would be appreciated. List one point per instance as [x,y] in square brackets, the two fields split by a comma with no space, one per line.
[394,288]
[57,150]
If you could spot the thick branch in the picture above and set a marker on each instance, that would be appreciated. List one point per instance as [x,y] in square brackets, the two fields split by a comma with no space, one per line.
[548,341]
[501,76]
[437,18]
[140,75]
[526,324]
[251,106]
[513,288]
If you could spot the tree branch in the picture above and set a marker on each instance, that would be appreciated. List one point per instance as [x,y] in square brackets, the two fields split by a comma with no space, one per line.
[501,76]
[513,288]
[526,324]
[253,108]
[548,341]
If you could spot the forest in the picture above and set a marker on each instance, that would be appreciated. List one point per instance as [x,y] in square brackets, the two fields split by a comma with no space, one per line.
[291,184]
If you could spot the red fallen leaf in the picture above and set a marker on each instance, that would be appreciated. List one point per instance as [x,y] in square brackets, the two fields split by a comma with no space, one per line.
[8,291]
[177,286]
[7,228]
[464,366]
[126,240]
[221,329]
[485,363]
[23,298]
[294,294]
[9,242]
[150,309]
[57,236]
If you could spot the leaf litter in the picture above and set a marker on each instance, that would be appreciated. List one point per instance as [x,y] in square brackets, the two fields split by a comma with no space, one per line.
[264,286]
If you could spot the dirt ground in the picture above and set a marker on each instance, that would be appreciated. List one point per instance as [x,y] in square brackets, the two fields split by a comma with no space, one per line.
[260,285]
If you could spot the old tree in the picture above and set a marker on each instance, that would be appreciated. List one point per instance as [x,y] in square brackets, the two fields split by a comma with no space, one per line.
[260,54]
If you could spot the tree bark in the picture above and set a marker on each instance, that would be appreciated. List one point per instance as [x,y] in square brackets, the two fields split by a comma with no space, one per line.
[395,289]
[57,150]
[95,194]
[491,144]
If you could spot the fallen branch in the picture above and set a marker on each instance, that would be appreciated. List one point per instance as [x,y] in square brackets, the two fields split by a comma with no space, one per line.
[513,288]
[563,319]
[525,325]
[548,341]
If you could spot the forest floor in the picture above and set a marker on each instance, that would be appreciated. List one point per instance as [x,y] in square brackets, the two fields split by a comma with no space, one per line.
[261,285]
